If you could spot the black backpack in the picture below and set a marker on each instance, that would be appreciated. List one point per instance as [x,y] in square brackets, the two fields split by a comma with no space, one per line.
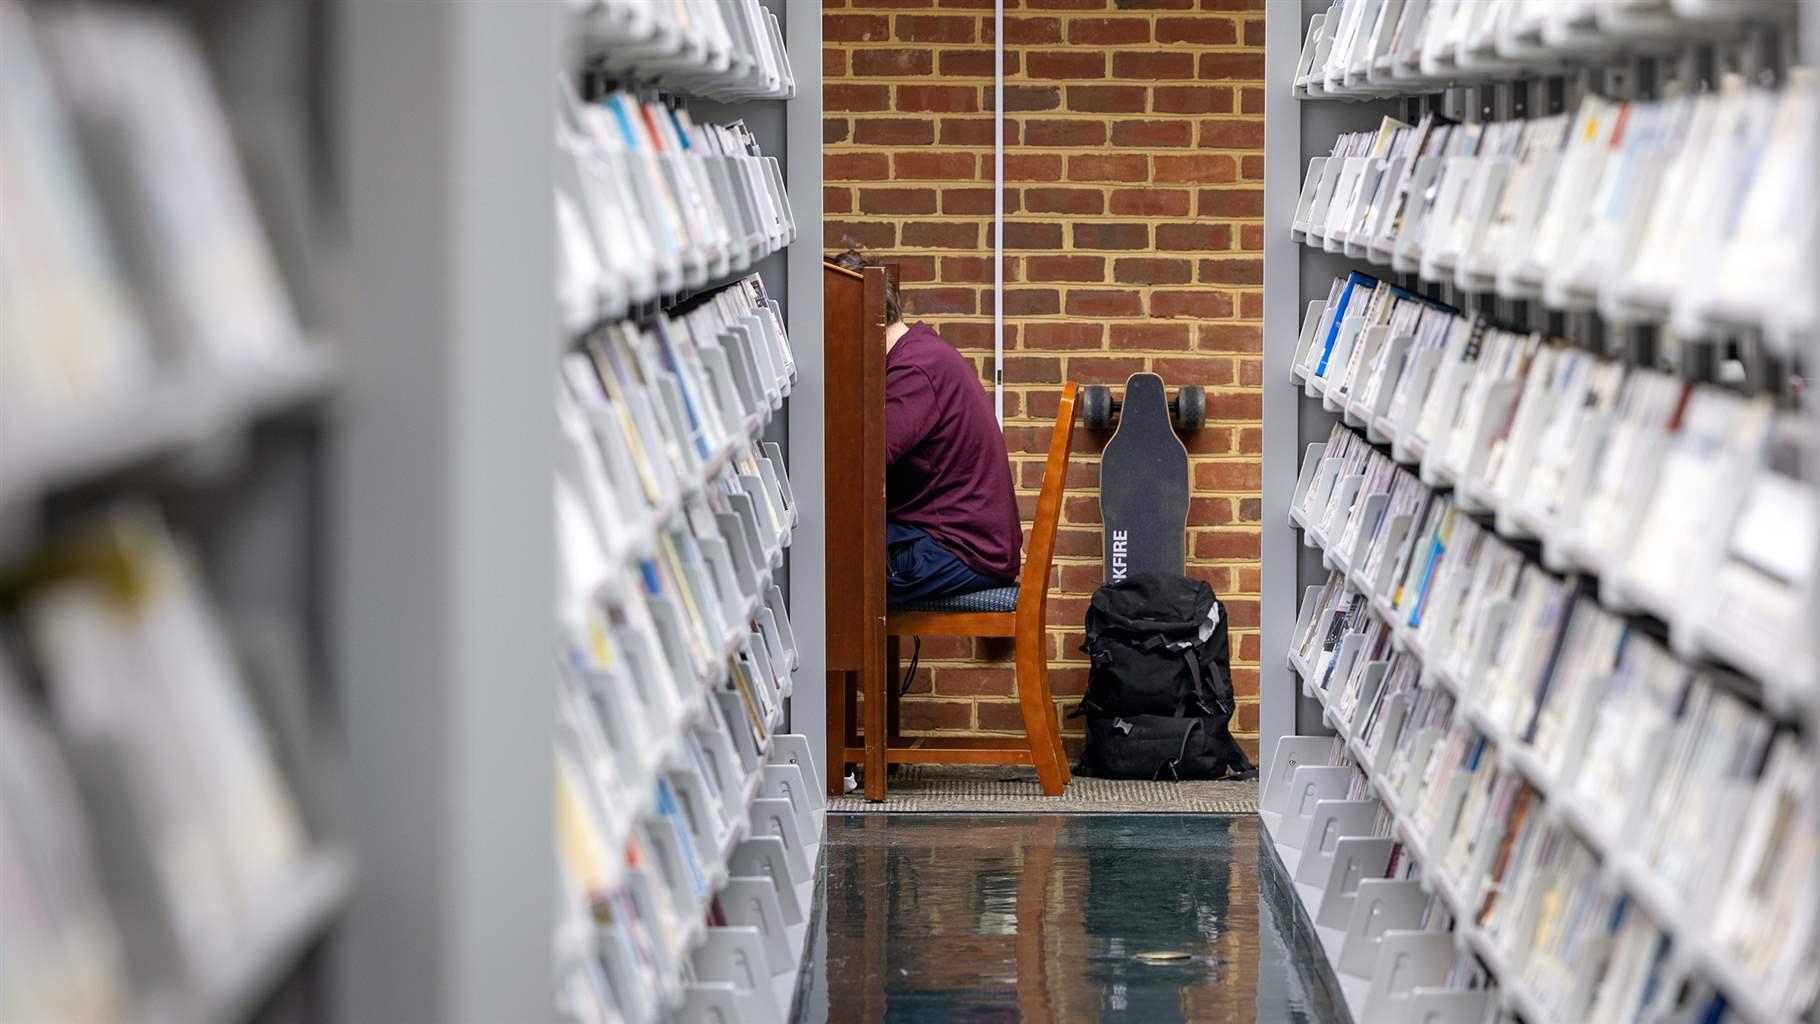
[1159,696]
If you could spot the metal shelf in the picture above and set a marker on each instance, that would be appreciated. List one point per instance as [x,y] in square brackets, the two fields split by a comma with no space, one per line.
[180,411]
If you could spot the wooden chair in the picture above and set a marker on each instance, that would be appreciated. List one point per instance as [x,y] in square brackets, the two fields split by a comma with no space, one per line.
[1018,612]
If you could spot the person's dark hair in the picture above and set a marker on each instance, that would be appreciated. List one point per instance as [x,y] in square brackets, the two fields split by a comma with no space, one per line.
[853,260]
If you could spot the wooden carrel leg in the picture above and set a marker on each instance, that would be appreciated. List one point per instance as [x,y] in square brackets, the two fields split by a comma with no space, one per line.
[840,717]
[872,677]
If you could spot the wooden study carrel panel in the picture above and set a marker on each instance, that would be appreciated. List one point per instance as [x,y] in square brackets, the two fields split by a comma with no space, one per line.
[853,380]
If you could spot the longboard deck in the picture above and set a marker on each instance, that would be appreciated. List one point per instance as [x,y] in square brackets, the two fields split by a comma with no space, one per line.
[1144,486]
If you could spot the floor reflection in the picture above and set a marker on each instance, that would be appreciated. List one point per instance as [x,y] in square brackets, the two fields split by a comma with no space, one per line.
[956,918]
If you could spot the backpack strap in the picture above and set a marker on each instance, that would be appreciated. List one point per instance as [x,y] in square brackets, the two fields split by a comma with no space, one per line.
[1206,693]
[1187,734]
[1204,690]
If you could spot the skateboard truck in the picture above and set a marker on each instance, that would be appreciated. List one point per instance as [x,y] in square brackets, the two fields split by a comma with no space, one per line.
[1099,408]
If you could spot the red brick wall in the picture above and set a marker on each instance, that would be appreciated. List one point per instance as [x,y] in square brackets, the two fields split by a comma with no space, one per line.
[1133,237]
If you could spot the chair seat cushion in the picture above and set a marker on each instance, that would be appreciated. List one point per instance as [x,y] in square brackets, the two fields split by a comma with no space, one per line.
[998,599]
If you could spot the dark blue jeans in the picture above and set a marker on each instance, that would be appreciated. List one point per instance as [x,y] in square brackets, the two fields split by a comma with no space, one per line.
[919,569]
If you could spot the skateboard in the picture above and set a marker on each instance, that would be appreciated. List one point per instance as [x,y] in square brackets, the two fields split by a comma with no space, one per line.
[1144,474]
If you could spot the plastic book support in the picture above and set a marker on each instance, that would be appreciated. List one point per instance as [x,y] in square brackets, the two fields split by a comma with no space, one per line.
[1311,184]
[734,982]
[1354,859]
[1310,785]
[1291,753]
[1381,910]
[1332,821]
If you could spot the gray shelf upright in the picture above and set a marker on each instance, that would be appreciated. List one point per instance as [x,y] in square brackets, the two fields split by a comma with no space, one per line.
[1294,132]
[443,557]
[443,553]
[802,160]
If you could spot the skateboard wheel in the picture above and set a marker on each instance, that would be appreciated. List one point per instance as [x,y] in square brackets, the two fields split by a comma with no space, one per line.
[1191,407]
[1096,406]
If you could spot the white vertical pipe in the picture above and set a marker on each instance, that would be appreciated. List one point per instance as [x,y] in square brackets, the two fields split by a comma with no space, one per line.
[998,210]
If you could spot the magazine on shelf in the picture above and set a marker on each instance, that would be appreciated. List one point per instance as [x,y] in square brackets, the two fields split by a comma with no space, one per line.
[1764,572]
[1332,592]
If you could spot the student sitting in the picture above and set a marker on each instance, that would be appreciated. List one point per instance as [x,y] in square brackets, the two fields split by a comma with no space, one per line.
[952,524]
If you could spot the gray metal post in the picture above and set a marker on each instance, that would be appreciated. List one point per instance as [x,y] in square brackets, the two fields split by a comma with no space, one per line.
[803,172]
[1294,131]
[443,559]
[1278,546]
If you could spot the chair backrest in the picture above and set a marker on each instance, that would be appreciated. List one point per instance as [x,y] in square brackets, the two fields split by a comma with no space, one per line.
[1039,556]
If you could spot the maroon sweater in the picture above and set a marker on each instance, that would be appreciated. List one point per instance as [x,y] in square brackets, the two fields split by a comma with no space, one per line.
[948,474]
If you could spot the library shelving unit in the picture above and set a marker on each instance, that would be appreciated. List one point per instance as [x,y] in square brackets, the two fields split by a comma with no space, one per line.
[171,847]
[1540,694]
[574,554]
[406,414]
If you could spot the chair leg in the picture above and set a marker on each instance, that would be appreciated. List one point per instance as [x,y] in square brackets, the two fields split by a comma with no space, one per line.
[1055,728]
[1039,711]
[1039,643]
[893,680]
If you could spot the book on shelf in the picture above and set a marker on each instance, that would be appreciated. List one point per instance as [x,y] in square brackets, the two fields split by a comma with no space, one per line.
[1520,668]
[1764,571]
[1513,223]
[1764,917]
[1511,817]
[1625,467]
[71,330]
[1591,646]
[140,674]
[61,953]
[1705,465]
[1361,682]
[1353,290]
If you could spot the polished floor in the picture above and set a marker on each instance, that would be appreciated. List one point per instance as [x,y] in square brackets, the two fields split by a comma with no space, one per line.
[1040,918]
